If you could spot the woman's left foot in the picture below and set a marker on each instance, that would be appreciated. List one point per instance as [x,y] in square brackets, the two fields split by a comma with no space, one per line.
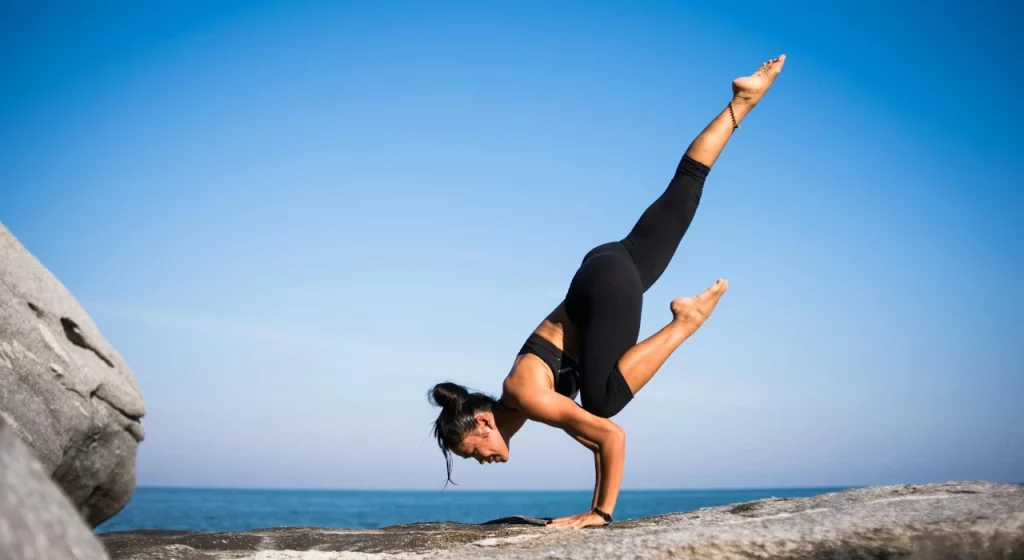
[695,310]
[750,89]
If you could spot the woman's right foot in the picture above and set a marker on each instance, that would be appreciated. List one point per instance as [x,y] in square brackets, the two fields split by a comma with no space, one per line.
[750,89]
[694,311]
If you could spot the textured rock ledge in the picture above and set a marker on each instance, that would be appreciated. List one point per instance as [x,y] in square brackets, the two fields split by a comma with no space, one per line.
[64,390]
[976,520]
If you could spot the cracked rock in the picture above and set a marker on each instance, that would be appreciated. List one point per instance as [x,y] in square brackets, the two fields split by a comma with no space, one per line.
[63,389]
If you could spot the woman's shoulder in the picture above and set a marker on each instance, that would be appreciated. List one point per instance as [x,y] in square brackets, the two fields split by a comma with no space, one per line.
[528,375]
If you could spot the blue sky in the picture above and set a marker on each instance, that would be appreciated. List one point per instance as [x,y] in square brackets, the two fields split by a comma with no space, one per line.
[292,219]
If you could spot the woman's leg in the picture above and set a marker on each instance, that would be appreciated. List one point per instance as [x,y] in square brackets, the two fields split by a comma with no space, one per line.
[639,364]
[654,240]
[605,301]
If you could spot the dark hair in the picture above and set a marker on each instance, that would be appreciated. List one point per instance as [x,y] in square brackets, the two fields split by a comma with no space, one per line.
[458,416]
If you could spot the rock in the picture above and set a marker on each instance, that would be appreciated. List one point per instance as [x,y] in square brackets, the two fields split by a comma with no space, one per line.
[63,389]
[37,521]
[976,520]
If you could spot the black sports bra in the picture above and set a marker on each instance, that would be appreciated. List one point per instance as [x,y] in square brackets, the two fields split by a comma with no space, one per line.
[565,370]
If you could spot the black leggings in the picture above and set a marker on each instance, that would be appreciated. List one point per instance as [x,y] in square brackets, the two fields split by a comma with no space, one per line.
[605,297]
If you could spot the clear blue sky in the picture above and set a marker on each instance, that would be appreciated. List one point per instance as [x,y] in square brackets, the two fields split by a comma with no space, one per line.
[292,219]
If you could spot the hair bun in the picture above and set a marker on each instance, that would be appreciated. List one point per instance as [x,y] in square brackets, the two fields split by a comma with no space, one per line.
[449,395]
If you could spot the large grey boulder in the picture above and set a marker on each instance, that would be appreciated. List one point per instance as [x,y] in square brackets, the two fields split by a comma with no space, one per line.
[63,389]
[954,520]
[37,522]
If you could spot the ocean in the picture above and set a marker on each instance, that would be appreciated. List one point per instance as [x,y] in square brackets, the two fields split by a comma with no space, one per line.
[243,510]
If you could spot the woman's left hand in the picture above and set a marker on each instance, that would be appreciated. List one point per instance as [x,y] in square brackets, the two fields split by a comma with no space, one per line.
[589,519]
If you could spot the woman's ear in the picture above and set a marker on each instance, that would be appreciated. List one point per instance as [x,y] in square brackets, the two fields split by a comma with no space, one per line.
[485,421]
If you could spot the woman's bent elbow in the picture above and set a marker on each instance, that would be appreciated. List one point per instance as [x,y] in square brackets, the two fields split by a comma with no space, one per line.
[615,437]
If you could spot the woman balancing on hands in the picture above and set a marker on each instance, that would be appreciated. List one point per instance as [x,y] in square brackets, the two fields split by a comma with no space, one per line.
[588,344]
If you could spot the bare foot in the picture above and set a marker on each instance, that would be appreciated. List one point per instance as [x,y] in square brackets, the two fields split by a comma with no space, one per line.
[750,89]
[696,310]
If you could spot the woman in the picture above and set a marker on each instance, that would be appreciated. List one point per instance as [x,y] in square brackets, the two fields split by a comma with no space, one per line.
[588,344]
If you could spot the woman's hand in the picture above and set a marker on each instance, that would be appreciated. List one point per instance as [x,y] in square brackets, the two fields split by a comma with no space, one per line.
[579,521]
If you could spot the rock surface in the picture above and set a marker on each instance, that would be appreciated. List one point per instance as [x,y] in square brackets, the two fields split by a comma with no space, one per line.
[976,520]
[63,389]
[37,521]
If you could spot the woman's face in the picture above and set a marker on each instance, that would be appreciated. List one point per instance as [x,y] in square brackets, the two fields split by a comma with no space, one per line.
[485,444]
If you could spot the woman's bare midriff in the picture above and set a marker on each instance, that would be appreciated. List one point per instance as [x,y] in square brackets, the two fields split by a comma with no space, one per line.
[559,330]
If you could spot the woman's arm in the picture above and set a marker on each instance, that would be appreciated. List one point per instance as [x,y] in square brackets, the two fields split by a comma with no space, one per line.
[556,410]
[597,465]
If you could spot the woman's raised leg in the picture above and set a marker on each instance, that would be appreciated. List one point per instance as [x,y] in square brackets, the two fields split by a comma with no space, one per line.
[654,239]
[639,364]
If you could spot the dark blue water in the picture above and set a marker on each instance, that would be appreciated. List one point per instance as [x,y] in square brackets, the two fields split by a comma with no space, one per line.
[242,510]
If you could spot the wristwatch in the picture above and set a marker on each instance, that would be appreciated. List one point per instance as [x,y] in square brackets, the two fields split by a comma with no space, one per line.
[606,516]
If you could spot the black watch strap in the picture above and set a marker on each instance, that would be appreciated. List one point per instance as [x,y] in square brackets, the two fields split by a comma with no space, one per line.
[606,516]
